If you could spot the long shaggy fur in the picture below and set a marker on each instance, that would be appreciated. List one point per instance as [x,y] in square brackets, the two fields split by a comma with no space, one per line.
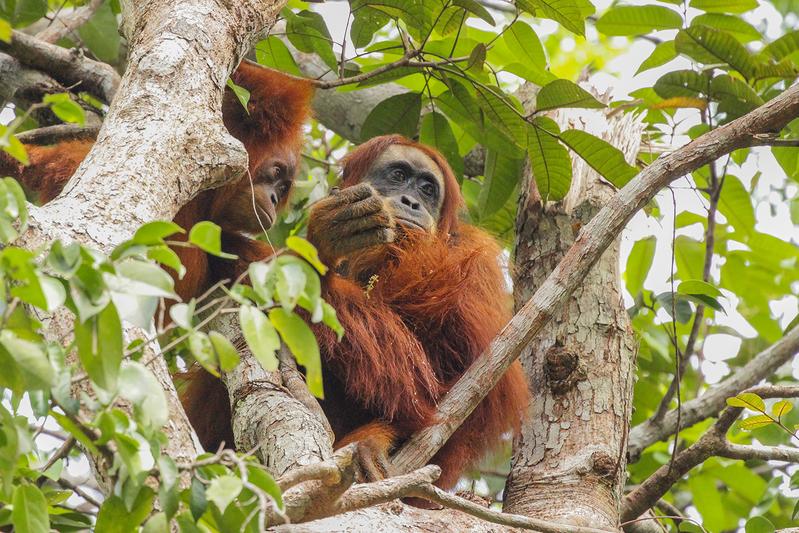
[434,306]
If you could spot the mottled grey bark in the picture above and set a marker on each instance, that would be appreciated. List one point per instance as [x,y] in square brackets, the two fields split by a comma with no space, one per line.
[569,460]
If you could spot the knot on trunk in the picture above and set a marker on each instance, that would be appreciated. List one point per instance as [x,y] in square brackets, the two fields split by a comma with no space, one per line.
[603,465]
[562,369]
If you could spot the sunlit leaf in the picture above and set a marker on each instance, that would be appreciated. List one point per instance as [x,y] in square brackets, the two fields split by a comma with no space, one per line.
[207,236]
[755,422]
[748,400]
[30,510]
[140,386]
[301,341]
[781,408]
[564,93]
[638,263]
[65,108]
[638,20]
[223,490]
[260,335]
[662,54]
[549,160]
[603,157]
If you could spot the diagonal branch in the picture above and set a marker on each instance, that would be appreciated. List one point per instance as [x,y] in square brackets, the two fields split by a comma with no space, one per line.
[592,241]
[713,400]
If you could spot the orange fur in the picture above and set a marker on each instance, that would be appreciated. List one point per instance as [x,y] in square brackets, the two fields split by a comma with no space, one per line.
[436,305]
[279,105]
[437,302]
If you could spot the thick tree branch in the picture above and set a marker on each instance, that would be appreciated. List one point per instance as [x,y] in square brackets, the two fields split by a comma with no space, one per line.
[58,133]
[589,245]
[650,491]
[67,66]
[63,25]
[712,443]
[168,103]
[713,400]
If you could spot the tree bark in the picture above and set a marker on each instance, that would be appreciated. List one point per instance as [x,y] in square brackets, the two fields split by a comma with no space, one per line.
[568,464]
[162,142]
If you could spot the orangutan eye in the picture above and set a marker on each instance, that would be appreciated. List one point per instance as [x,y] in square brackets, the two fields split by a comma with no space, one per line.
[428,188]
[398,174]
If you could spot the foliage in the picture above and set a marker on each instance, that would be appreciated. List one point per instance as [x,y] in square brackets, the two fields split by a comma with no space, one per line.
[455,67]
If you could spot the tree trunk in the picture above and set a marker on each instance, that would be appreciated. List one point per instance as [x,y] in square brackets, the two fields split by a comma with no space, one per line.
[162,142]
[569,461]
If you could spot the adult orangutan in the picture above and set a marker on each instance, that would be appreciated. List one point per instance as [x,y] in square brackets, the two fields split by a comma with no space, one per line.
[271,131]
[420,295]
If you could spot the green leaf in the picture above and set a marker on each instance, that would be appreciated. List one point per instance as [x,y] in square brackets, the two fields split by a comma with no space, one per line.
[724,6]
[197,500]
[638,264]
[564,93]
[223,490]
[140,386]
[682,309]
[476,9]
[259,477]
[5,31]
[330,319]
[600,155]
[396,114]
[549,160]
[682,83]
[157,523]
[307,251]
[225,351]
[207,236]
[272,52]
[565,12]
[781,408]
[65,108]
[735,95]
[501,114]
[308,32]
[782,47]
[708,45]
[301,341]
[748,400]
[697,286]
[738,28]
[755,422]
[167,491]
[242,94]
[662,54]
[155,232]
[99,342]
[142,278]
[73,429]
[735,204]
[30,510]
[759,524]
[31,362]
[638,20]
[436,131]
[260,335]
[166,256]
[203,351]
[366,21]
[522,39]
[20,13]
[501,177]
[101,35]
